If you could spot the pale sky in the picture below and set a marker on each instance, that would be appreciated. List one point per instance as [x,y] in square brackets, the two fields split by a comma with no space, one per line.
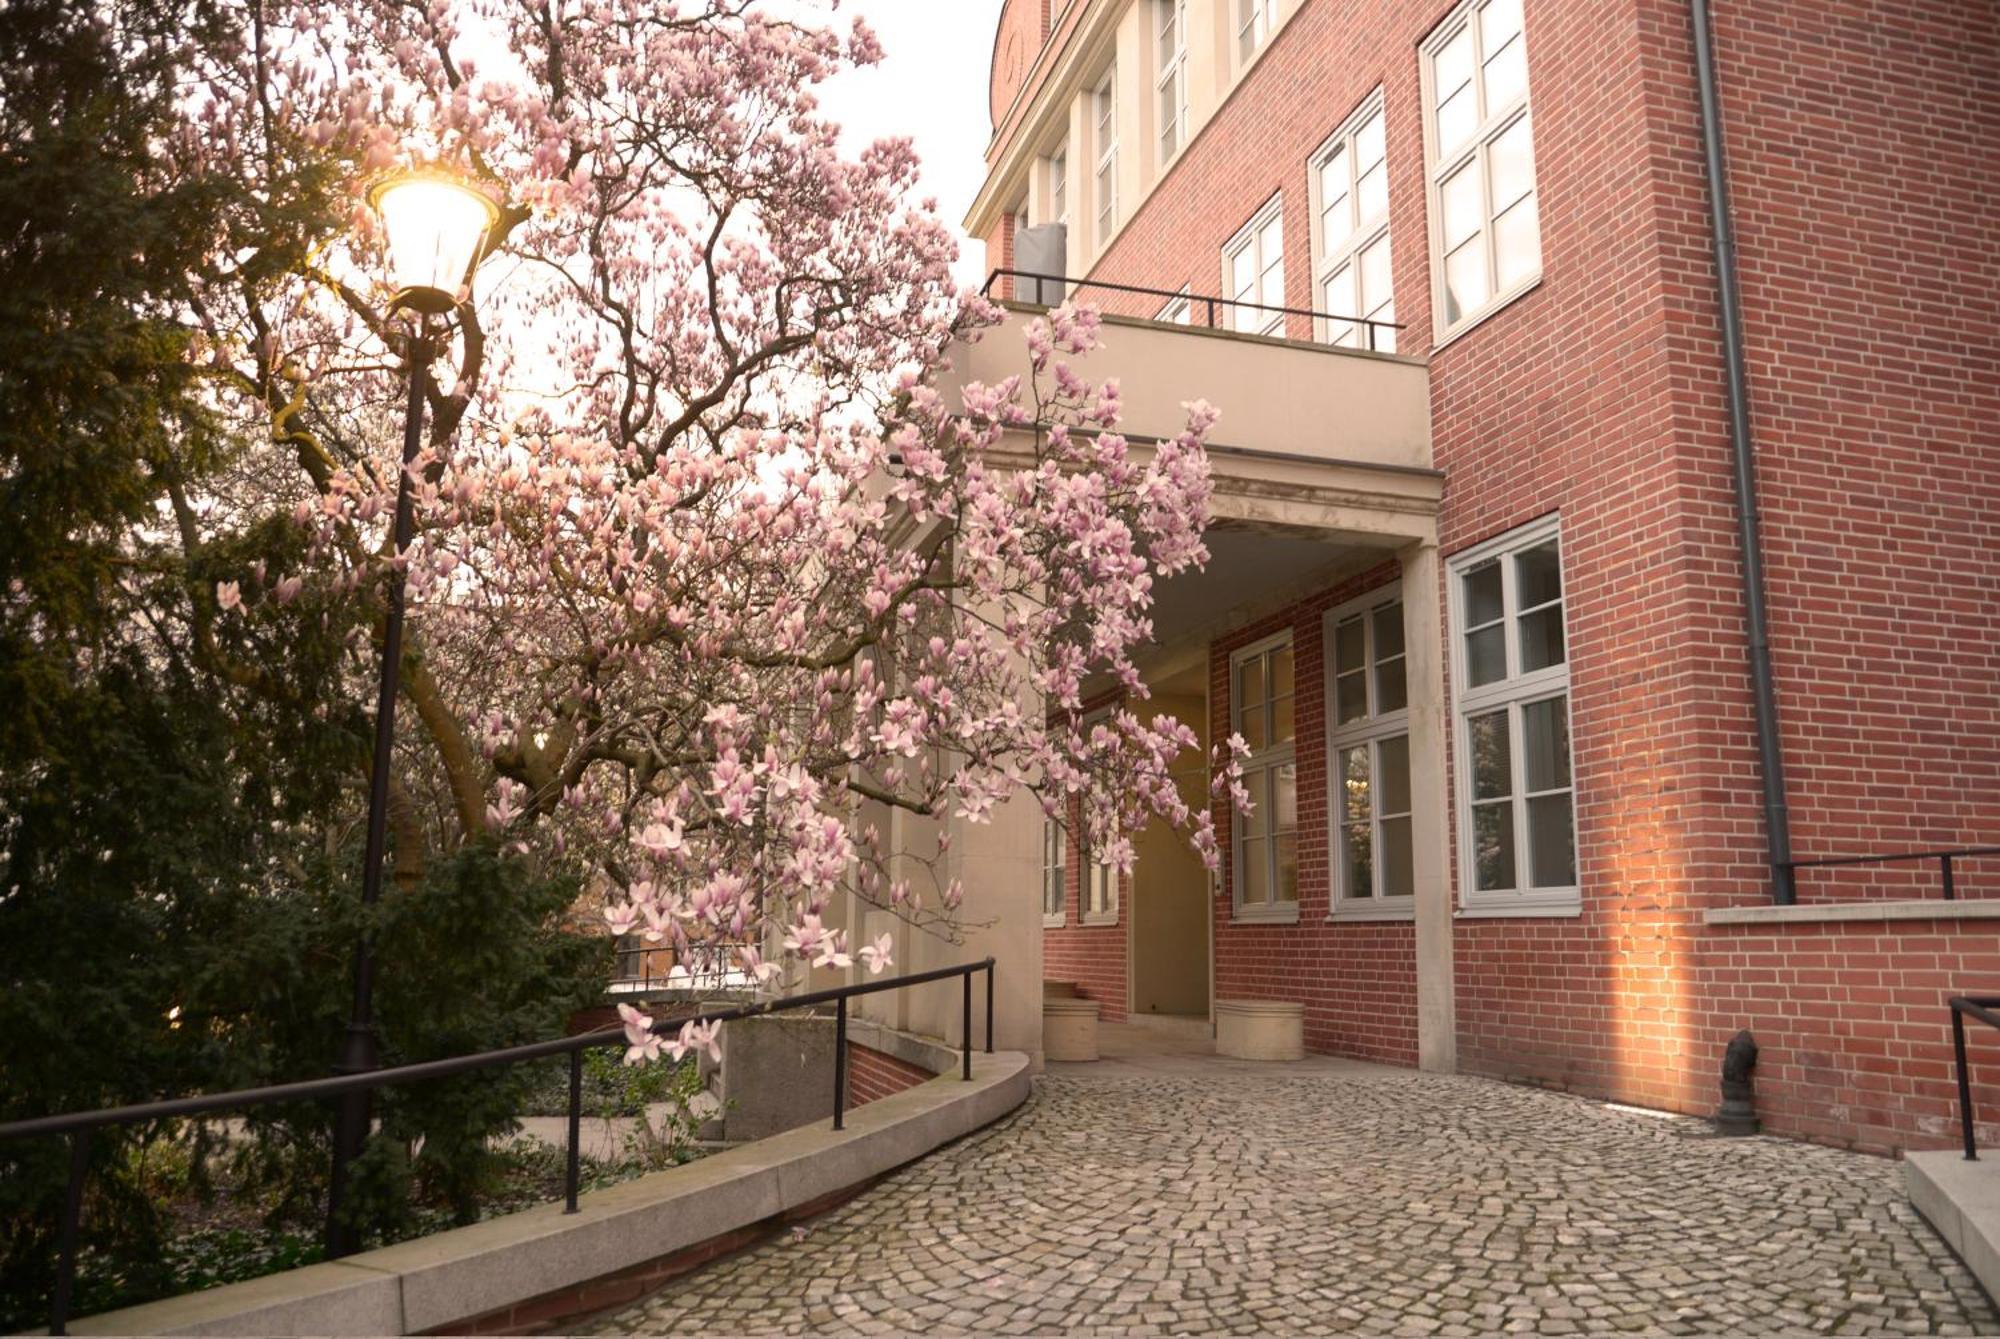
[931,86]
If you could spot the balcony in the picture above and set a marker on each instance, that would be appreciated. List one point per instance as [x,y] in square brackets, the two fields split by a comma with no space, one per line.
[1282,399]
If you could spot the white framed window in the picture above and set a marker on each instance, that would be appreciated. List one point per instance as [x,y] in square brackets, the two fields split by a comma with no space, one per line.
[1170,86]
[1058,170]
[1510,671]
[1368,757]
[1255,20]
[1100,891]
[1351,272]
[1253,272]
[1178,309]
[1479,144]
[1055,872]
[1265,847]
[1104,117]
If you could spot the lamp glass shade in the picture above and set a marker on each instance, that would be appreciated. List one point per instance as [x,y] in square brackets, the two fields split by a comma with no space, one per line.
[435,227]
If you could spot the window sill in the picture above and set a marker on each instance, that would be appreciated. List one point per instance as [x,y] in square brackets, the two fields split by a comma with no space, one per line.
[1570,906]
[1356,911]
[1486,313]
[1278,915]
[1054,922]
[1933,909]
[1101,918]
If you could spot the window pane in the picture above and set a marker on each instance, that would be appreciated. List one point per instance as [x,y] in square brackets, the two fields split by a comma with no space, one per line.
[1392,688]
[1375,274]
[1398,877]
[1493,845]
[1258,784]
[1350,645]
[1512,162]
[1551,842]
[1394,754]
[1486,655]
[1336,219]
[1465,288]
[1456,120]
[1285,796]
[1492,756]
[1453,66]
[1464,212]
[1288,868]
[1506,75]
[1545,744]
[1538,574]
[1499,21]
[1339,293]
[1356,804]
[1281,720]
[1281,670]
[1372,192]
[1350,693]
[1357,861]
[1243,273]
[1250,685]
[1369,144]
[1517,243]
[1257,873]
[1541,636]
[1388,630]
[1482,594]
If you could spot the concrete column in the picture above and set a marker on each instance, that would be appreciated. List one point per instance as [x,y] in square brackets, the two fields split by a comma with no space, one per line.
[1423,637]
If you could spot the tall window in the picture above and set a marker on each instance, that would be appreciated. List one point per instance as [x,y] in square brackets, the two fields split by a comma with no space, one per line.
[1100,892]
[1170,89]
[1266,873]
[1254,268]
[1350,176]
[1485,238]
[1059,185]
[1104,104]
[1254,21]
[1517,823]
[1368,747]
[1055,891]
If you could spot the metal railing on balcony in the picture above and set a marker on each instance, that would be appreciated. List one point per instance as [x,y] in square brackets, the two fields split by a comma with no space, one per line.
[643,969]
[79,1124]
[1328,328]
[1947,872]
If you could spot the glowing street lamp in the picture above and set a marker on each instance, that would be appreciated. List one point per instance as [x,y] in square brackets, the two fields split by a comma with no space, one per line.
[437,229]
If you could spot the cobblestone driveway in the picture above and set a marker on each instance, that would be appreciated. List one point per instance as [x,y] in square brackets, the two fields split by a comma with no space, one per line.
[1194,1197]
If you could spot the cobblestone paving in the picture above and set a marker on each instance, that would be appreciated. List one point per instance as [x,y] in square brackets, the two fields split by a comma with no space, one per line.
[1234,1199]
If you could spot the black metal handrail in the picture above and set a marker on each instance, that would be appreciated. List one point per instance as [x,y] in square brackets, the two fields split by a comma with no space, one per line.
[1944,859]
[78,1124]
[1366,326]
[1980,1007]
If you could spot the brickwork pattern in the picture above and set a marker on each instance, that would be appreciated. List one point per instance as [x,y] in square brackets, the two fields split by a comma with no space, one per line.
[1304,1200]
[873,1075]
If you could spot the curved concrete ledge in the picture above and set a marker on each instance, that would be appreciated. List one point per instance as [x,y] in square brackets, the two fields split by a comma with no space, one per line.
[471,1272]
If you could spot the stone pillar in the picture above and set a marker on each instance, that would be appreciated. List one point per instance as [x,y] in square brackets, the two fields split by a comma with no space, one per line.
[1423,636]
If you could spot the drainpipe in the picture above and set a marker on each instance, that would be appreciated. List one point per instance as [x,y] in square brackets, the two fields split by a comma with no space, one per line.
[1777,818]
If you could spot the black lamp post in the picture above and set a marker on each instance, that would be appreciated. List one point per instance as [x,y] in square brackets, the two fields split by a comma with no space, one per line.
[436,229]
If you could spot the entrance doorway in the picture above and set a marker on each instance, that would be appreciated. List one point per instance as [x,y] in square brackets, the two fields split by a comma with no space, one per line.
[1170,920]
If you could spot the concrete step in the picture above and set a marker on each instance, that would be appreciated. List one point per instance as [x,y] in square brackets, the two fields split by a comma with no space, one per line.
[1962,1201]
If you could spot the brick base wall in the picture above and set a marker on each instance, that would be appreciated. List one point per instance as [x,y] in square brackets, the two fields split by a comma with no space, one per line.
[873,1075]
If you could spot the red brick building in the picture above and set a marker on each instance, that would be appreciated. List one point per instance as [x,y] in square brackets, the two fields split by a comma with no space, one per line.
[1517,191]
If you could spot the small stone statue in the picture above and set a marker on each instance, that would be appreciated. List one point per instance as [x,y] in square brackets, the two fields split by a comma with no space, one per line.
[1738,1113]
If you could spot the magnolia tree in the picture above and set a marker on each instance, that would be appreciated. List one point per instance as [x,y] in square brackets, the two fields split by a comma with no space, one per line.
[707,568]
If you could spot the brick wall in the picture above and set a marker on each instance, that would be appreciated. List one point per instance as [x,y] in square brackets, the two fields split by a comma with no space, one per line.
[1093,956]
[1864,185]
[873,1075]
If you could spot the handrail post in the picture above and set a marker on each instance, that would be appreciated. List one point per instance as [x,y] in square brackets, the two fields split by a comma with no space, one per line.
[572,1174]
[79,1162]
[965,1031]
[840,1063]
[1964,1083]
[1950,890]
[989,1006]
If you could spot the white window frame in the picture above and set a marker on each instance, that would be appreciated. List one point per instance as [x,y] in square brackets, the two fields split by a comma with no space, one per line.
[1513,692]
[1363,234]
[1057,166]
[1491,124]
[1055,873]
[1178,309]
[1267,759]
[1104,125]
[1250,237]
[1097,880]
[1170,85]
[1371,731]
[1252,22]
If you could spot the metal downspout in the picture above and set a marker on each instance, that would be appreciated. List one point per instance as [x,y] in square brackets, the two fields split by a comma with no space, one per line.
[1777,817]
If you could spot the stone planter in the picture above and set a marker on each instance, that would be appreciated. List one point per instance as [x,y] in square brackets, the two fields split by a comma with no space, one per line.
[1260,1029]
[1069,1029]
